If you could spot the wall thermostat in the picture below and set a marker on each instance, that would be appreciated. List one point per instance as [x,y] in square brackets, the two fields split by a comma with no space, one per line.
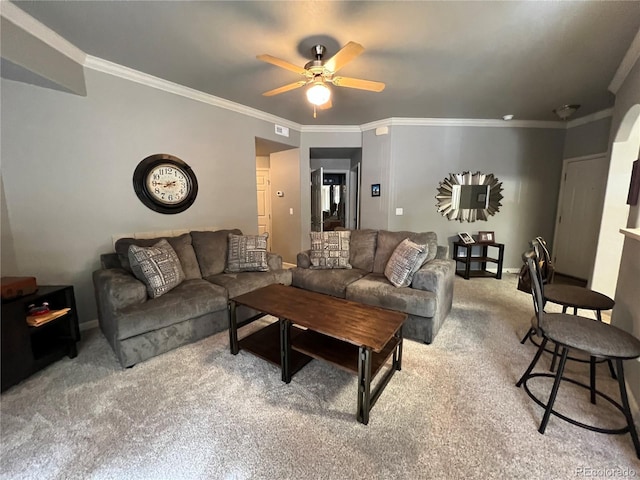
[280,193]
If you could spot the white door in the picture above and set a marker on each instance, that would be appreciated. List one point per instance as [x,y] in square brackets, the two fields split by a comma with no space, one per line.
[264,203]
[354,198]
[579,210]
[316,200]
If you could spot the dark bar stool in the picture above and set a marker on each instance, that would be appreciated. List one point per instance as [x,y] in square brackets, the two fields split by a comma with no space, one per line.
[579,333]
[571,296]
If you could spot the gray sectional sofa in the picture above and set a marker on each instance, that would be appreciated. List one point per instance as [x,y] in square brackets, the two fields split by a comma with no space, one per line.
[139,327]
[427,300]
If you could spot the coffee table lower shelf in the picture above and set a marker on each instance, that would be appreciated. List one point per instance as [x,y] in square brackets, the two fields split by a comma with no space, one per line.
[336,352]
[265,343]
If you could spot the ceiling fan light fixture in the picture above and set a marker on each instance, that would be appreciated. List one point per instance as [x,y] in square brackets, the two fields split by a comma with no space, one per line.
[565,111]
[318,94]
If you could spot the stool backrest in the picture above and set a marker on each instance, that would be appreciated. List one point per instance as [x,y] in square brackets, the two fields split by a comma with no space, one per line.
[535,274]
[547,269]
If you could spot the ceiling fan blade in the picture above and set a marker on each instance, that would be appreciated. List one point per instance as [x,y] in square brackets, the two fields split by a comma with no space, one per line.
[278,62]
[286,88]
[347,53]
[326,106]
[358,83]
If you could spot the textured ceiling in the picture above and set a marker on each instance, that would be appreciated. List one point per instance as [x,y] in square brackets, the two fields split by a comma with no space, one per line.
[438,59]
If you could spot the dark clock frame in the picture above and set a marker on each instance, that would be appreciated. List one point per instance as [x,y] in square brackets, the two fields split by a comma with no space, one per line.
[140,183]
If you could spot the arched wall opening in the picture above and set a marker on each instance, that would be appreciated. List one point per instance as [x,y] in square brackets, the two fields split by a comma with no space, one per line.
[616,214]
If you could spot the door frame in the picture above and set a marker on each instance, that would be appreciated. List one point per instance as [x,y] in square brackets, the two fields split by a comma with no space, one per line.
[268,203]
[603,156]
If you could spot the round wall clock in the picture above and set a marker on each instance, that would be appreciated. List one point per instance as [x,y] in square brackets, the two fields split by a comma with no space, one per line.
[165,183]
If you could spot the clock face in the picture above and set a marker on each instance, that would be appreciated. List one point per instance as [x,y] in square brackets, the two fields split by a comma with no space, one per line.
[165,183]
[168,184]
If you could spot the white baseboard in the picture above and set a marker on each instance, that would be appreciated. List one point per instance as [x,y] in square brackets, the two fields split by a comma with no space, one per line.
[88,325]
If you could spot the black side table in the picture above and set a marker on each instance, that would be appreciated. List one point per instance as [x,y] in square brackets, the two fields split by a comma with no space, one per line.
[466,259]
[27,349]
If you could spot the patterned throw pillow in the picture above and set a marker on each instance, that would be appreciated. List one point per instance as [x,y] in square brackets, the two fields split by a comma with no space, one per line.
[157,267]
[247,253]
[405,261]
[330,250]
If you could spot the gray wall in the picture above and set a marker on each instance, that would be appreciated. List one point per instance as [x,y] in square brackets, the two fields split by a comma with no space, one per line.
[626,313]
[285,175]
[376,164]
[528,161]
[8,264]
[68,161]
[331,163]
[587,139]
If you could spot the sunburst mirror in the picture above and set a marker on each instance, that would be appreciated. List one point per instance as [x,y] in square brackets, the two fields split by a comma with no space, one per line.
[469,196]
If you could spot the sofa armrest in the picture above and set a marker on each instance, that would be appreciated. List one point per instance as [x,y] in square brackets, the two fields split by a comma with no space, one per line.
[443,252]
[115,289]
[274,261]
[303,260]
[434,275]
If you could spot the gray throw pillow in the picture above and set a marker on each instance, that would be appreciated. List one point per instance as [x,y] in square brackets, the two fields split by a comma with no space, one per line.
[330,250]
[181,244]
[405,261]
[247,253]
[157,267]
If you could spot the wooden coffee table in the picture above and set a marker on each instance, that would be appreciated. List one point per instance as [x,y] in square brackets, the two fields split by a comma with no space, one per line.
[355,337]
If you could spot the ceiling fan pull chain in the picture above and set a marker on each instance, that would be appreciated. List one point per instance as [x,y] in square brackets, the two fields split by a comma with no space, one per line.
[314,112]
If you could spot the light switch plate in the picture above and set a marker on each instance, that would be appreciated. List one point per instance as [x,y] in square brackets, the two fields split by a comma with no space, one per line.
[399,211]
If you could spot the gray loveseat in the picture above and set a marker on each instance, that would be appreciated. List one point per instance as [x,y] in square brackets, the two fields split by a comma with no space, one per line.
[428,299]
[139,327]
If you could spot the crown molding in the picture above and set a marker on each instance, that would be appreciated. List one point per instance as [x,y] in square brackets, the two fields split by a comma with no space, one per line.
[594,117]
[104,66]
[43,33]
[330,129]
[628,61]
[462,122]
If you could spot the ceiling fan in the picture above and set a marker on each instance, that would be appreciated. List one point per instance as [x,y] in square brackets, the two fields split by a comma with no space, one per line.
[318,73]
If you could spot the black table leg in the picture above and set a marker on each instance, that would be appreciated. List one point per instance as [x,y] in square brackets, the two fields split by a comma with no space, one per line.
[364,384]
[233,328]
[285,349]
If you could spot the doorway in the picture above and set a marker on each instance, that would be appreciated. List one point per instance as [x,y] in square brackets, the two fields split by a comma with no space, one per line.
[579,212]
[335,188]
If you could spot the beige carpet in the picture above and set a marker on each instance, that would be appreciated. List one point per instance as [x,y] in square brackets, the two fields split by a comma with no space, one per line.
[199,412]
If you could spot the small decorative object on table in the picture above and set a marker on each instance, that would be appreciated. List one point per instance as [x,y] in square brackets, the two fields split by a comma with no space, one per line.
[486,237]
[466,238]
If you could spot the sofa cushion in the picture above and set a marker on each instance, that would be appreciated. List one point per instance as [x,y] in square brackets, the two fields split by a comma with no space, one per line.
[181,244]
[330,250]
[330,282]
[190,299]
[374,289]
[362,249]
[405,261]
[244,282]
[157,267]
[388,241]
[211,250]
[247,253]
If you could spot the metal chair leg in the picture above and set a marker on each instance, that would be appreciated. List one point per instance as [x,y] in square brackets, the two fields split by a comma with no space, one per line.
[533,362]
[555,357]
[592,378]
[625,407]
[612,370]
[554,390]
[527,336]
